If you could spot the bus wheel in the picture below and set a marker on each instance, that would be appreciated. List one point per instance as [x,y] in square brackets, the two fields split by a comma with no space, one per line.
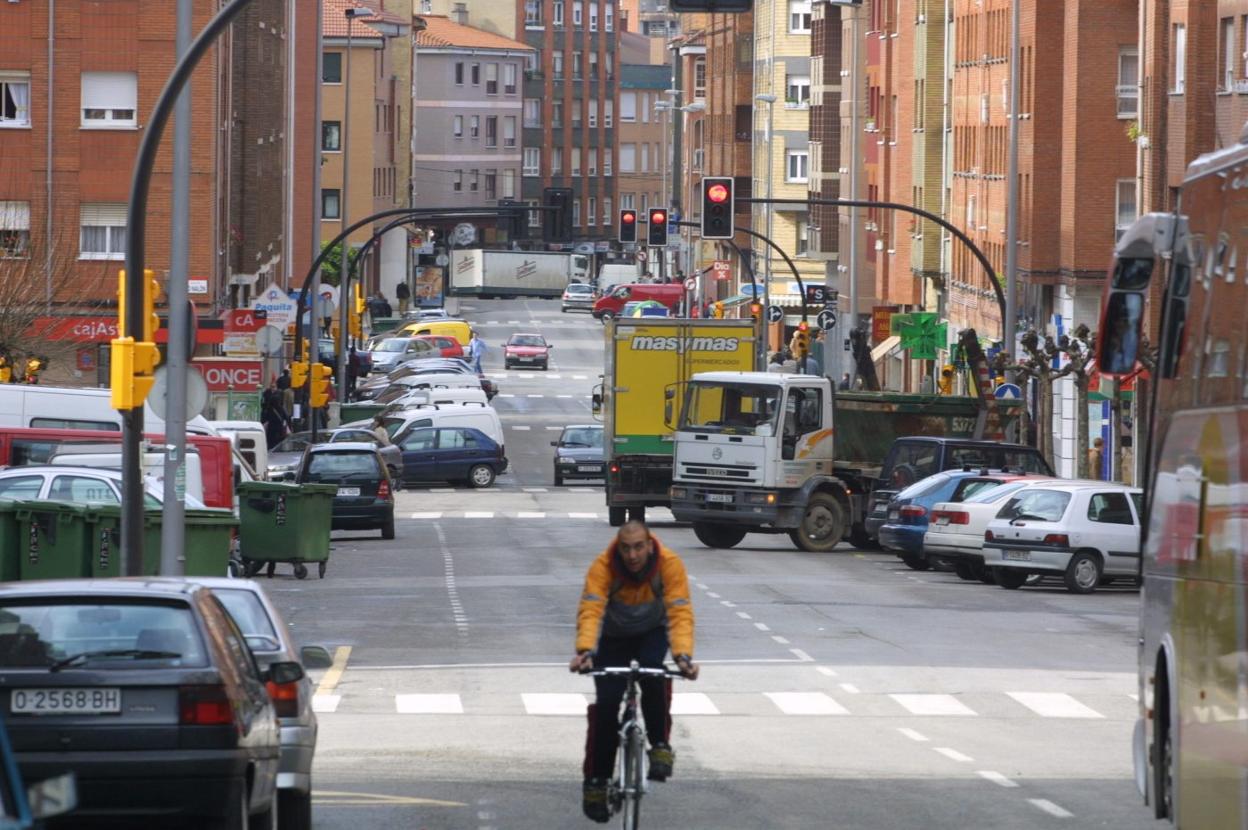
[1163,754]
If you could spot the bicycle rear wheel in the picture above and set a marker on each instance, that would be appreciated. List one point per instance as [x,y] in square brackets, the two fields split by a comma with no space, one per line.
[634,778]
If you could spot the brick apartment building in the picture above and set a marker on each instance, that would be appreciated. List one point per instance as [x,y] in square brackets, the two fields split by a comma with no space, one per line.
[74,96]
[640,175]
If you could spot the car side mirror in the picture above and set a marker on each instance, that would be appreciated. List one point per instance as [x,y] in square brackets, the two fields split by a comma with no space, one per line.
[550,345]
[53,796]
[316,657]
[554,443]
[283,673]
[596,403]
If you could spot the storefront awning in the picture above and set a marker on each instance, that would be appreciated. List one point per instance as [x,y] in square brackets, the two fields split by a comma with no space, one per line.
[886,348]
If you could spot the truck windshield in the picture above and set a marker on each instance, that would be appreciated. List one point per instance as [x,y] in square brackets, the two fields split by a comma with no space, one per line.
[739,409]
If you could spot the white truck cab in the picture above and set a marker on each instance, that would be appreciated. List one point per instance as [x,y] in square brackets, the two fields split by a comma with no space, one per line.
[754,453]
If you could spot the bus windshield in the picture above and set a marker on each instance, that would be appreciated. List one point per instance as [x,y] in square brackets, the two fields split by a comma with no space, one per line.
[735,409]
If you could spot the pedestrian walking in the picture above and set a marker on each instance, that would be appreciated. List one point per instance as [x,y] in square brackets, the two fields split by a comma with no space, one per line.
[355,366]
[404,295]
[1096,458]
[275,420]
[845,383]
[476,351]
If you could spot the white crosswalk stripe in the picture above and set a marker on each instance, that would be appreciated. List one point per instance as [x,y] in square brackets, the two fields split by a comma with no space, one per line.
[943,705]
[428,704]
[693,703]
[548,703]
[806,703]
[1054,705]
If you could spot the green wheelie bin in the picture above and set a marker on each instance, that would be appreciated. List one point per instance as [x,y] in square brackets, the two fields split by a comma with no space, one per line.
[285,523]
[208,534]
[53,540]
[10,545]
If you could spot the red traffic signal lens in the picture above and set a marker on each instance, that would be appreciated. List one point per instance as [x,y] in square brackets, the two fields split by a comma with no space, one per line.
[803,326]
[658,217]
[628,217]
[717,193]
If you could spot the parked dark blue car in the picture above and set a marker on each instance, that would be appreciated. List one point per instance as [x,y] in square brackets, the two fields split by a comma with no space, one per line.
[455,454]
[910,510]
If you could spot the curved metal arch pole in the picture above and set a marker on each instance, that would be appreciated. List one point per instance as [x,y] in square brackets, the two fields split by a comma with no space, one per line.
[801,286]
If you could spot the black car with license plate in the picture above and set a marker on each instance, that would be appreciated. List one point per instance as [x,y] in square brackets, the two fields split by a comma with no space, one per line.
[579,453]
[147,692]
[365,499]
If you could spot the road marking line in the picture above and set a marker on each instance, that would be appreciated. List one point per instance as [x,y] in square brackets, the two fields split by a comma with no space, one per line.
[581,490]
[762,626]
[452,592]
[535,489]
[801,655]
[521,428]
[1134,697]
[953,754]
[329,681]
[703,587]
[806,703]
[563,396]
[428,704]
[504,395]
[933,705]
[554,377]
[334,799]
[426,515]
[996,778]
[727,604]
[533,515]
[712,595]
[849,688]
[323,704]
[582,515]
[554,704]
[535,396]
[1054,705]
[482,514]
[1050,808]
[580,377]
[826,671]
[779,639]
[744,615]
[912,734]
[441,489]
[554,429]
[693,703]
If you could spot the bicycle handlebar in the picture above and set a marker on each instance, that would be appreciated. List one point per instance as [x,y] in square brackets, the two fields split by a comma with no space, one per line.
[627,670]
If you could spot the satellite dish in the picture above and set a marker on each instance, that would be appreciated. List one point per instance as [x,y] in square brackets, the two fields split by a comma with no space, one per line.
[270,341]
[196,394]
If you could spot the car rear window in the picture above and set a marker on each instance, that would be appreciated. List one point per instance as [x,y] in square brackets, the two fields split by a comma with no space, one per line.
[995,458]
[970,486]
[249,614]
[995,494]
[924,488]
[114,634]
[335,465]
[1039,505]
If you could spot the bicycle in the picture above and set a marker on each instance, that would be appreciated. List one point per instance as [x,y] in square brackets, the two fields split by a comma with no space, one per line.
[624,792]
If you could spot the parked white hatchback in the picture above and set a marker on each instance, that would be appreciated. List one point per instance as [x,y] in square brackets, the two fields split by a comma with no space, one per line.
[1085,531]
[955,534]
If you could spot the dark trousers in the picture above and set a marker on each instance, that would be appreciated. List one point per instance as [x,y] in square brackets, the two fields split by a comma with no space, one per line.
[603,737]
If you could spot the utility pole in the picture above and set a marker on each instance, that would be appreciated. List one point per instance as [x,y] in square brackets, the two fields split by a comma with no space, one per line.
[343,211]
[770,100]
[855,159]
[1010,322]
[173,526]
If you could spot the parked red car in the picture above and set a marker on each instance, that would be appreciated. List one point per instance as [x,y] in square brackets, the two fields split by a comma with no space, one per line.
[526,350]
[449,345]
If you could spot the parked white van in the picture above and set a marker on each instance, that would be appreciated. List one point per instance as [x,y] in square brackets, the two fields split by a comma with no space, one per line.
[442,397]
[484,418]
[248,439]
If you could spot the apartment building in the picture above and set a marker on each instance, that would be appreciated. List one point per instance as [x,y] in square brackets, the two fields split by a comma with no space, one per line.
[360,99]
[471,114]
[641,177]
[75,93]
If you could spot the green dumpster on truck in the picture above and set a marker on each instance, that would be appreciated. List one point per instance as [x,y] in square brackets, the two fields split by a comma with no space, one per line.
[53,538]
[208,537]
[360,411]
[285,523]
[10,555]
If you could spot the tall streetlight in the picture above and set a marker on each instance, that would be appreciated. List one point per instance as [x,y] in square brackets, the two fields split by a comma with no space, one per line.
[768,99]
[687,234]
[666,108]
[344,203]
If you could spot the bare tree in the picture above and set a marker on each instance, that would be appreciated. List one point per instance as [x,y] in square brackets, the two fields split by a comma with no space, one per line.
[1036,365]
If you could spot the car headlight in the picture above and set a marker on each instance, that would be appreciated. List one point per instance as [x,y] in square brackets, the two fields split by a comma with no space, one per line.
[679,493]
[564,460]
[760,498]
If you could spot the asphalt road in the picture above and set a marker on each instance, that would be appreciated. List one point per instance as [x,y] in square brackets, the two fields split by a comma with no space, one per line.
[838,690]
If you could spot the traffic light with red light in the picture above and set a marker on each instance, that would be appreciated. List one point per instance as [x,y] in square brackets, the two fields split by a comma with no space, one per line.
[717,207]
[628,226]
[756,311]
[656,229]
[801,339]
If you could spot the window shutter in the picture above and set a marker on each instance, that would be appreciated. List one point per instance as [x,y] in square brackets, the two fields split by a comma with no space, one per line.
[14,216]
[109,90]
[104,214]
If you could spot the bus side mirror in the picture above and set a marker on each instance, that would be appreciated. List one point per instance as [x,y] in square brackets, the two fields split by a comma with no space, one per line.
[596,402]
[1121,329]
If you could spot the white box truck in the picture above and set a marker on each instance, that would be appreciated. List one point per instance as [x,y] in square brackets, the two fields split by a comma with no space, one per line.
[489,274]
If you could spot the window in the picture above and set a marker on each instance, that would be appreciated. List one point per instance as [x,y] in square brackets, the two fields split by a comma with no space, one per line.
[593,112]
[607,218]
[610,64]
[556,14]
[532,112]
[1128,83]
[609,21]
[577,7]
[645,202]
[474,126]
[970,212]
[606,161]
[608,110]
[532,14]
[331,203]
[535,216]
[21,487]
[576,209]
[1226,51]
[577,63]
[103,231]
[627,201]
[457,183]
[14,230]
[109,99]
[1110,508]
[457,126]
[331,67]
[509,184]
[797,91]
[509,131]
[628,158]
[628,106]
[491,185]
[459,73]
[14,99]
[556,161]
[475,74]
[576,161]
[699,78]
[576,112]
[591,161]
[509,79]
[593,17]
[1043,505]
[474,181]
[803,237]
[645,158]
[331,136]
[799,16]
[556,113]
[591,215]
[532,161]
[491,79]
[796,162]
[645,108]
[491,131]
[1126,211]
[556,64]
[593,65]
[1178,57]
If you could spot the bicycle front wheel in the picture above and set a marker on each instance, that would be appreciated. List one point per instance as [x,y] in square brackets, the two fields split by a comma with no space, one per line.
[634,779]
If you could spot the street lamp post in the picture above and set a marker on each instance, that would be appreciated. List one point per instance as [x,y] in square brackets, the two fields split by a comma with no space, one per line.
[686,235]
[666,108]
[768,99]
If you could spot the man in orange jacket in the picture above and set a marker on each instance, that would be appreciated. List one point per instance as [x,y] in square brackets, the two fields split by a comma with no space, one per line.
[635,603]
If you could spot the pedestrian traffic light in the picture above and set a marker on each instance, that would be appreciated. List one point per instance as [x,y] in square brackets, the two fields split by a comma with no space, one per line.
[557,221]
[801,338]
[360,305]
[628,225]
[717,207]
[133,360]
[298,374]
[319,389]
[656,230]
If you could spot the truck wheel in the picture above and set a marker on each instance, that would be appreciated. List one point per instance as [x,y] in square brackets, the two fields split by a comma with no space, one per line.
[822,525]
[717,536]
[637,514]
[616,516]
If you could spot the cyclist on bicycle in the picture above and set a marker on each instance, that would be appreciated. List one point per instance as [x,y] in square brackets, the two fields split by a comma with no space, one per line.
[636,601]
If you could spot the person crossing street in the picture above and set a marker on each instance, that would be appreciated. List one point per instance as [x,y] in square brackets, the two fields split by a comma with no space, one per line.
[476,351]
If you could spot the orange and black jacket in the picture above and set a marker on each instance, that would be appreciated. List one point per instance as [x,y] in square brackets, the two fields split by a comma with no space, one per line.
[617,603]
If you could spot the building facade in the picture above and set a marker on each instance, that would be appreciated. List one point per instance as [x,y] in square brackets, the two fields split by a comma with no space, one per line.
[641,178]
